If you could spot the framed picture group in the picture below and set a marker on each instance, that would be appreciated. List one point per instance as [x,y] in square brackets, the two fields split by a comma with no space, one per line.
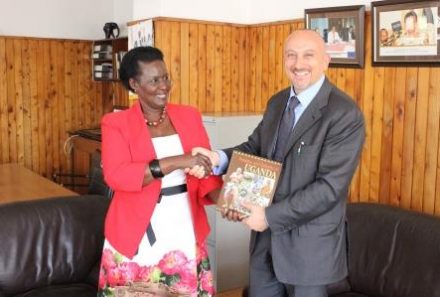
[342,29]
[403,32]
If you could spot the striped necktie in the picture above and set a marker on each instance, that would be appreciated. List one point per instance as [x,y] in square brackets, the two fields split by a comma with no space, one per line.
[285,128]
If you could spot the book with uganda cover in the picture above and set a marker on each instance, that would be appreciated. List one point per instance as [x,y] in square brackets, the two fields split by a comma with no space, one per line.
[249,179]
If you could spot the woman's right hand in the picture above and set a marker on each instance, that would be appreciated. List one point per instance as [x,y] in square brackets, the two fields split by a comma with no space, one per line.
[213,155]
[198,163]
[186,162]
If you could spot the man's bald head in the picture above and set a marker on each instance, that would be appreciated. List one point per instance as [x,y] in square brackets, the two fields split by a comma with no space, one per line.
[305,58]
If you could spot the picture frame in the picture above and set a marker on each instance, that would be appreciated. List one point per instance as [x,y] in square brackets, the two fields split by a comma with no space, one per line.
[140,33]
[342,29]
[405,32]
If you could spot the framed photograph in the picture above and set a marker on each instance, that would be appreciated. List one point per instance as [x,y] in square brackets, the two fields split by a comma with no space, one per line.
[140,33]
[342,29]
[405,32]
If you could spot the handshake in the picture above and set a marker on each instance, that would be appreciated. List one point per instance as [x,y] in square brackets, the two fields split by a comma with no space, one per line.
[204,161]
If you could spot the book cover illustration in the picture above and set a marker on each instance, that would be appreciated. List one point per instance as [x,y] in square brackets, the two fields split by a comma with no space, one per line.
[249,178]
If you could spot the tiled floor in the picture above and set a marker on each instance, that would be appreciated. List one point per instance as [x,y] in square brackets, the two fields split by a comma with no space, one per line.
[231,293]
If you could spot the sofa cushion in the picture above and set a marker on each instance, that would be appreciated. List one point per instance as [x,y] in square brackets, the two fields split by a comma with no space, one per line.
[71,290]
[50,241]
[392,251]
[350,294]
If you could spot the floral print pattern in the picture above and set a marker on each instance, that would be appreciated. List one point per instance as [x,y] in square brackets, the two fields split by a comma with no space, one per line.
[191,277]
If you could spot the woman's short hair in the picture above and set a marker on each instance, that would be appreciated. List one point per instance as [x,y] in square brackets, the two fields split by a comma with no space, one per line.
[130,62]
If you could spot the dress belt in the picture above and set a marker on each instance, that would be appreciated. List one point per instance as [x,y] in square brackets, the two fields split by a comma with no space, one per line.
[172,191]
[169,191]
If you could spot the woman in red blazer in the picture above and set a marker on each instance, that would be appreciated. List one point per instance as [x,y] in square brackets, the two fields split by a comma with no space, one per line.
[156,225]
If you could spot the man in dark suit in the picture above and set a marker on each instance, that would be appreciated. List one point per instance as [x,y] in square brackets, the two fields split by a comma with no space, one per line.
[298,243]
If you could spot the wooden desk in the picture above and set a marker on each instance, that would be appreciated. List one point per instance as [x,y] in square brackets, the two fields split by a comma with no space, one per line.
[19,183]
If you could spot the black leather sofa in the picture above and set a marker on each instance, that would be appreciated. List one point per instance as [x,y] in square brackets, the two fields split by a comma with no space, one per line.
[51,247]
[392,252]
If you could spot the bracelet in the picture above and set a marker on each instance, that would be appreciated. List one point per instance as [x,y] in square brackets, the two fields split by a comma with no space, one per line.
[154,166]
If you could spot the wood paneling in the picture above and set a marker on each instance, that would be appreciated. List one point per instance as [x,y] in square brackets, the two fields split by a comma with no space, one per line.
[46,90]
[207,62]
[240,67]
[222,67]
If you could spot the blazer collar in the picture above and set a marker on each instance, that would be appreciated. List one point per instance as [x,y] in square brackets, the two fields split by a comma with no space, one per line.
[140,137]
[140,130]
[275,118]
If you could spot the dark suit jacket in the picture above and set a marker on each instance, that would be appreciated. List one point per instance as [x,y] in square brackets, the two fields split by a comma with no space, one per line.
[307,217]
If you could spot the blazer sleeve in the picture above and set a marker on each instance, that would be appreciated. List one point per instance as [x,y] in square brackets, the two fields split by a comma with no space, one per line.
[120,172]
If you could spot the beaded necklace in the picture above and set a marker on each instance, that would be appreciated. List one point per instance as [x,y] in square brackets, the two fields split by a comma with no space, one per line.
[156,123]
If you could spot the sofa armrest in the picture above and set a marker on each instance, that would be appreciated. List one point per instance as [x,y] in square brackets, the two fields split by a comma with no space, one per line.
[393,251]
[93,276]
[339,287]
[50,241]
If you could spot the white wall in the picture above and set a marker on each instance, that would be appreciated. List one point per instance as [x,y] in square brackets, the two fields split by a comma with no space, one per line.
[213,10]
[84,19]
[234,11]
[276,10]
[70,19]
[122,13]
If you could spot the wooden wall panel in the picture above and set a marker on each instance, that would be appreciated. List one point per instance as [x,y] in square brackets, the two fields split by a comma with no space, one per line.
[235,81]
[193,64]
[408,137]
[432,142]
[45,91]
[251,71]
[221,67]
[210,69]
[4,141]
[207,62]
[420,139]
[202,65]
[240,67]
[225,82]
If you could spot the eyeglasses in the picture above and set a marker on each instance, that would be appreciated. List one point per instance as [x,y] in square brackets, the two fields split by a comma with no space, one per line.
[156,81]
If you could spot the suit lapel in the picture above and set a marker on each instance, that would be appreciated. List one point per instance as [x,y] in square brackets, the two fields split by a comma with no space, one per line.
[274,124]
[310,116]
[140,138]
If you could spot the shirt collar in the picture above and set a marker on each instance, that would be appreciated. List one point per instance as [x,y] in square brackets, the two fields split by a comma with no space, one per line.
[306,96]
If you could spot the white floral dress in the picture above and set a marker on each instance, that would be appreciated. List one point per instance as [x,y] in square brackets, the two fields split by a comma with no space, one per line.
[174,259]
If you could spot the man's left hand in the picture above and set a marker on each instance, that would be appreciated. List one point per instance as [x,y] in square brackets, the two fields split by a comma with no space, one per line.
[257,219]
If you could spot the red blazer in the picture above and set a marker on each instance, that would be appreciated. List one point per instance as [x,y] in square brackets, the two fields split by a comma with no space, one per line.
[127,148]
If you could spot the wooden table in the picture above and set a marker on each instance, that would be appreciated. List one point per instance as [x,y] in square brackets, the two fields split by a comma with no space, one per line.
[19,183]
